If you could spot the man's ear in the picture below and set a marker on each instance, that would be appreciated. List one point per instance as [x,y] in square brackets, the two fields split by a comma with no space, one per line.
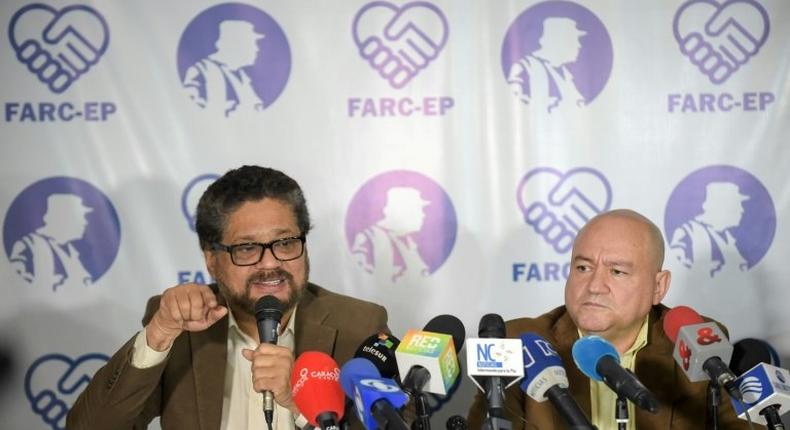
[211,262]
[663,279]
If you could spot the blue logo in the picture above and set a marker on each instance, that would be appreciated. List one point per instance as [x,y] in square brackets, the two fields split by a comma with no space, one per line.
[191,195]
[58,46]
[61,232]
[233,58]
[780,377]
[54,381]
[751,388]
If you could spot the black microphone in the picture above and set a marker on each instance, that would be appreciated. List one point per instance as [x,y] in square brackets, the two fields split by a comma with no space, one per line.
[457,422]
[493,326]
[749,352]
[379,349]
[599,360]
[268,312]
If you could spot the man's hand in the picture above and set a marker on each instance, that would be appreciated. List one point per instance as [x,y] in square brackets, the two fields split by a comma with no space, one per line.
[271,371]
[185,307]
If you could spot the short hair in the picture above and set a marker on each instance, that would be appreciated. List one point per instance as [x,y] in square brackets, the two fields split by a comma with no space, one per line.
[246,184]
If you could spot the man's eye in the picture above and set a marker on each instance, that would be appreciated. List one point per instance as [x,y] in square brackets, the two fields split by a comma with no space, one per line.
[618,272]
[582,268]
[246,249]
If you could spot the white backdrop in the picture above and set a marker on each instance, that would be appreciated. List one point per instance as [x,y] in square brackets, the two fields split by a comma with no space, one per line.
[484,133]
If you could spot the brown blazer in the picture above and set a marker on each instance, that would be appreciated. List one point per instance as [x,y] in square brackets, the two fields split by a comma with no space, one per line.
[683,404]
[186,389]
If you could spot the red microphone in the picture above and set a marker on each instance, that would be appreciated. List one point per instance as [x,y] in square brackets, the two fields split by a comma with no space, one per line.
[316,389]
[702,350]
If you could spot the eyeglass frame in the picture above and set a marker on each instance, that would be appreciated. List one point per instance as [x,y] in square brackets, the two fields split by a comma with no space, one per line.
[268,245]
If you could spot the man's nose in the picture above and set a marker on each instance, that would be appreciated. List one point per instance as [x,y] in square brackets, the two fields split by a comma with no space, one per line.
[599,281]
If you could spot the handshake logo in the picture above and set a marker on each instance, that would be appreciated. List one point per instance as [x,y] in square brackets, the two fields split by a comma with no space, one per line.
[399,42]
[54,381]
[719,38]
[58,46]
[557,205]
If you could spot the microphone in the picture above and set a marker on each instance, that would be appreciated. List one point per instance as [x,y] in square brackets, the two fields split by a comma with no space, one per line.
[701,348]
[379,349]
[546,379]
[766,395]
[315,387]
[599,360]
[489,359]
[749,352]
[268,312]
[376,399]
[428,358]
[457,422]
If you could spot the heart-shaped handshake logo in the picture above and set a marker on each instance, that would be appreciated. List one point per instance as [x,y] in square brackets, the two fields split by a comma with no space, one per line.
[719,38]
[58,46]
[398,42]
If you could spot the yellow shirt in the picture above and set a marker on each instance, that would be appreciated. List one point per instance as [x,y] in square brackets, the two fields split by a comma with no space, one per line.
[602,398]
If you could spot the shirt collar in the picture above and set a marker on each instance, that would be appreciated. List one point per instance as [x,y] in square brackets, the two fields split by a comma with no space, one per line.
[639,342]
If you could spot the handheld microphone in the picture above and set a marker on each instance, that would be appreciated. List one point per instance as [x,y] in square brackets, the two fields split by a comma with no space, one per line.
[268,312]
[379,349]
[701,349]
[427,359]
[766,395]
[315,387]
[599,360]
[490,358]
[546,379]
[376,399]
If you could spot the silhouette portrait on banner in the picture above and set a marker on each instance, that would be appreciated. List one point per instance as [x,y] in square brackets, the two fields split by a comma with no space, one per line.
[219,81]
[542,78]
[47,256]
[706,240]
[388,245]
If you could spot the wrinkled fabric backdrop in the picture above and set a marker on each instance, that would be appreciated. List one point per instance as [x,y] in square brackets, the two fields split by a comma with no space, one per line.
[449,152]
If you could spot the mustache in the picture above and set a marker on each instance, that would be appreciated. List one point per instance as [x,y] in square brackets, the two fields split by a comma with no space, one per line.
[269,275]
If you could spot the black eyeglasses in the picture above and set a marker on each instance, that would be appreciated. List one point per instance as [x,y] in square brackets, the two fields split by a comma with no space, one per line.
[248,254]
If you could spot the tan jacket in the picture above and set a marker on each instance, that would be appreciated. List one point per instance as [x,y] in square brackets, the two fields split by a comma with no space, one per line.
[186,389]
[683,404]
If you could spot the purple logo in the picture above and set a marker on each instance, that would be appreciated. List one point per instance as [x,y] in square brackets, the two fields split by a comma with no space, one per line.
[401,224]
[233,58]
[191,195]
[54,381]
[720,220]
[61,232]
[58,46]
[556,205]
[719,38]
[557,56]
[398,42]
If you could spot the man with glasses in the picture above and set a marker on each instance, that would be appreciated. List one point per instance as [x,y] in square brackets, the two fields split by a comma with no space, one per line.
[197,362]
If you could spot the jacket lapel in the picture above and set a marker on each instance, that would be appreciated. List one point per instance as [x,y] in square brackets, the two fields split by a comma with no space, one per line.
[311,332]
[209,354]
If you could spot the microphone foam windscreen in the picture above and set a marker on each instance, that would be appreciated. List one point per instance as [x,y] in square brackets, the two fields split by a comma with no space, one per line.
[749,352]
[539,355]
[448,324]
[379,349]
[491,326]
[588,350]
[315,386]
[356,367]
[268,307]
[678,317]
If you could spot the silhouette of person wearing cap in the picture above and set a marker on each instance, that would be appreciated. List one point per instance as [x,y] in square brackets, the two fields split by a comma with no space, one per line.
[46,257]
[387,247]
[219,82]
[541,78]
[706,241]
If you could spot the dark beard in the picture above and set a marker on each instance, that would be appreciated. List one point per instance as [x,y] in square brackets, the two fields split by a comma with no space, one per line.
[245,304]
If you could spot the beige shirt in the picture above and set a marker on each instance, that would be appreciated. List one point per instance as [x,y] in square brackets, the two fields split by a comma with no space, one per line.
[603,399]
[242,407]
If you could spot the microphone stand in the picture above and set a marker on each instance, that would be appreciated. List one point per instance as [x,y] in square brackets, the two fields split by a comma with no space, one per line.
[422,422]
[621,413]
[495,419]
[772,418]
[714,400]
